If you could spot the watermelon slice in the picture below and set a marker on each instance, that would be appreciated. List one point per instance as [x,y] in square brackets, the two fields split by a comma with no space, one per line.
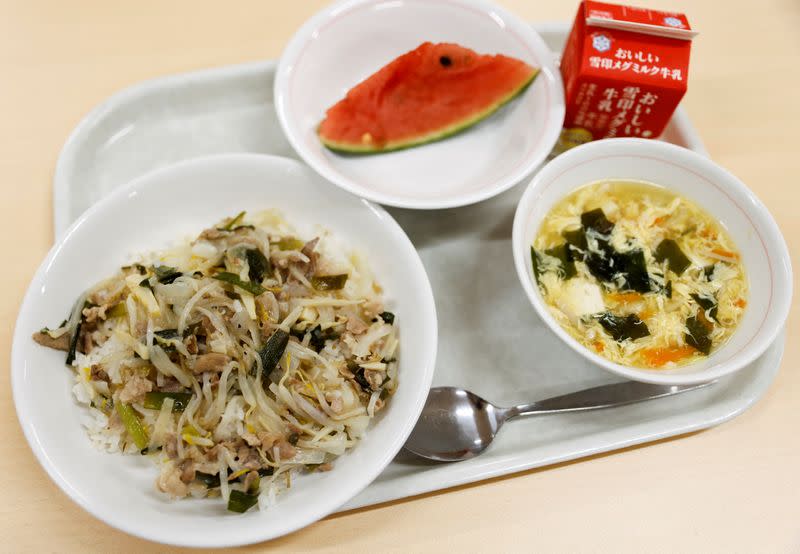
[427,94]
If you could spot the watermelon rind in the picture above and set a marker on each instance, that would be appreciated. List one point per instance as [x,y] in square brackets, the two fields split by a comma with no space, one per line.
[439,134]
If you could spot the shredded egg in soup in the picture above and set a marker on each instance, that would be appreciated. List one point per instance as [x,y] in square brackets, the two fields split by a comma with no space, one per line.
[640,275]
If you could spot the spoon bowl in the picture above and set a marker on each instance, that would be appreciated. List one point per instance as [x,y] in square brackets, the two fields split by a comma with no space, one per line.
[455,425]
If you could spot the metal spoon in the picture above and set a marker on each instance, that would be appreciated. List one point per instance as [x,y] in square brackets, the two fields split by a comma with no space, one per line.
[457,425]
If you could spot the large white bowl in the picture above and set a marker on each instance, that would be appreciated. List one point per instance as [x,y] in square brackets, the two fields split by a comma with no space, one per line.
[148,214]
[351,39]
[764,253]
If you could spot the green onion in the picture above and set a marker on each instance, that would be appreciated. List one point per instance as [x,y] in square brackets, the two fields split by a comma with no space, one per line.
[229,225]
[76,333]
[319,337]
[329,282]
[167,334]
[119,310]
[231,278]
[272,351]
[258,263]
[73,342]
[154,400]
[133,425]
[240,502]
[166,338]
[388,317]
[255,485]
[210,481]
[360,378]
[166,274]
[290,244]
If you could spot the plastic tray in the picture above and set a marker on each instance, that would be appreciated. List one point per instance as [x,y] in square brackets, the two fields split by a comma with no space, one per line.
[491,341]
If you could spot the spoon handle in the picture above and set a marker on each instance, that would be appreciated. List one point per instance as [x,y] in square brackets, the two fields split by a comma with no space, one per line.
[605,396]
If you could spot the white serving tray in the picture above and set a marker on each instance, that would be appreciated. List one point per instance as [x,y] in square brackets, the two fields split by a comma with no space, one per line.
[491,341]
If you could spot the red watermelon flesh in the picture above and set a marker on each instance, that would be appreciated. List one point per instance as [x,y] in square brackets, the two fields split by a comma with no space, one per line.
[424,95]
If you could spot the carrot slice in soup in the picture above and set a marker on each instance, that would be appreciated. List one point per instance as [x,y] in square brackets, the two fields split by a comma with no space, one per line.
[725,253]
[659,357]
[625,297]
[599,346]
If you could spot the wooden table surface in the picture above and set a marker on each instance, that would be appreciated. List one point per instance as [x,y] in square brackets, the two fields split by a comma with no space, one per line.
[729,489]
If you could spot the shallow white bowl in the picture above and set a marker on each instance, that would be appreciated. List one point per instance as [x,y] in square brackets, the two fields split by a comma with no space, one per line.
[350,40]
[764,253]
[148,214]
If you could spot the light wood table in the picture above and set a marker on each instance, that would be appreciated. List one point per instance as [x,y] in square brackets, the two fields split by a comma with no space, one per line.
[729,489]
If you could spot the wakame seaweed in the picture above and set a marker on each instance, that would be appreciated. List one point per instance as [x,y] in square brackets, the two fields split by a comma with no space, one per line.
[596,219]
[623,327]
[669,250]
[605,262]
[536,264]
[708,304]
[635,271]
[563,254]
[607,265]
[576,238]
[699,334]
[602,263]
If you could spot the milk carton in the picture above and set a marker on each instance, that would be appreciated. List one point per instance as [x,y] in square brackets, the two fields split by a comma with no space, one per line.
[625,70]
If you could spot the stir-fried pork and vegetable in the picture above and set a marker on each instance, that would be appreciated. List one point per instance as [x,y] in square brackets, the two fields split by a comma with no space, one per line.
[641,276]
[233,360]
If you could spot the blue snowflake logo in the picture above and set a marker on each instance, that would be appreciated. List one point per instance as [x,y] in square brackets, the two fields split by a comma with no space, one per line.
[601,43]
[673,22]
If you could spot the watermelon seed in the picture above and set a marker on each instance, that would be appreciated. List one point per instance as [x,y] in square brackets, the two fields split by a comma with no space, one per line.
[445,61]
